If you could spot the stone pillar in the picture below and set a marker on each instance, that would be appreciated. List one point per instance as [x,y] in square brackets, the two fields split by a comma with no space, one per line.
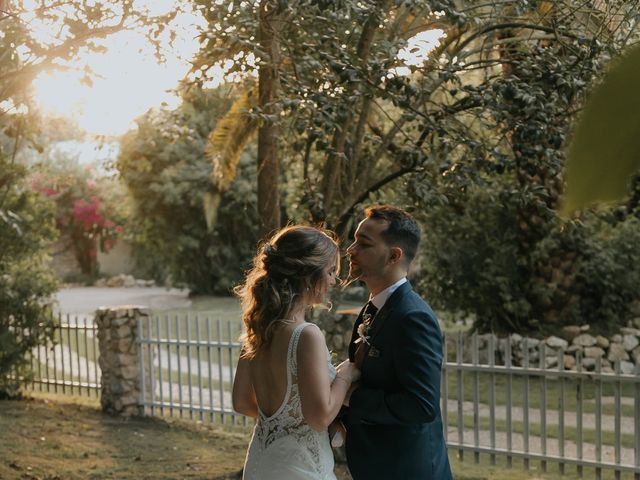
[119,358]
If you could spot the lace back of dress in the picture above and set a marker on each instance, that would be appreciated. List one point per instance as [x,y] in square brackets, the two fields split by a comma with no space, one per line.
[292,354]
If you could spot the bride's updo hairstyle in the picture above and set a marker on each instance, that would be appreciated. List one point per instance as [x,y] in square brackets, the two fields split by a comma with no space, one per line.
[287,270]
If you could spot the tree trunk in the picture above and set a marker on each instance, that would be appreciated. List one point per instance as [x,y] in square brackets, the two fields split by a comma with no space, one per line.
[268,164]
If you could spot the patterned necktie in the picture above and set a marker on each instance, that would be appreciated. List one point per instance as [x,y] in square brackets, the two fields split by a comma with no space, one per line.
[368,313]
[370,309]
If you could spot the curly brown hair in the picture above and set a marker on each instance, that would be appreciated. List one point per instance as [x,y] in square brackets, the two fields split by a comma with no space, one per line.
[287,270]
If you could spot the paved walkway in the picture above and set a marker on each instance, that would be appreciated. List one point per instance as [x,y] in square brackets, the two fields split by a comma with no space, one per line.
[552,416]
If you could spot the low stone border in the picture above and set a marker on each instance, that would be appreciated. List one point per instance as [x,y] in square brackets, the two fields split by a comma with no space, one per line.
[575,343]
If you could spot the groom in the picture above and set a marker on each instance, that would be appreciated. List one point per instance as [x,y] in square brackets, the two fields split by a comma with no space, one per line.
[394,422]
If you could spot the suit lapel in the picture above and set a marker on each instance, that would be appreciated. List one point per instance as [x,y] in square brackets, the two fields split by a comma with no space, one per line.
[387,309]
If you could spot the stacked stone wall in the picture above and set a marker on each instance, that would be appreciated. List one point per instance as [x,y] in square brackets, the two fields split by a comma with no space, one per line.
[575,347]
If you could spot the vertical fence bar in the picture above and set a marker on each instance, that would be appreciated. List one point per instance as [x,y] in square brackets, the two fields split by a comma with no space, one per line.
[492,398]
[150,343]
[39,360]
[209,369]
[86,356]
[169,370]
[230,351]
[189,366]
[445,388]
[460,378]
[179,355]
[636,424]
[94,341]
[220,376]
[33,369]
[62,364]
[561,409]
[476,393]
[53,354]
[179,360]
[509,401]
[69,353]
[160,380]
[542,352]
[46,360]
[616,398]
[143,382]
[199,369]
[579,411]
[525,403]
[79,374]
[598,395]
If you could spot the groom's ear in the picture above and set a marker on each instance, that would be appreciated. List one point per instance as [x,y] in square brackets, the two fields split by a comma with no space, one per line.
[395,254]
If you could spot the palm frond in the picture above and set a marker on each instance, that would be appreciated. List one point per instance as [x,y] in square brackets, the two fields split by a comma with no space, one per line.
[225,145]
[229,138]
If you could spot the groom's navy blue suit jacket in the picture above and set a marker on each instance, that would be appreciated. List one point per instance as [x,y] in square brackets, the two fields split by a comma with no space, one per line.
[394,424]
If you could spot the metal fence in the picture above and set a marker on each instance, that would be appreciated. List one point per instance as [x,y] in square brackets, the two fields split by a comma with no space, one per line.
[578,418]
[68,364]
[587,420]
[189,363]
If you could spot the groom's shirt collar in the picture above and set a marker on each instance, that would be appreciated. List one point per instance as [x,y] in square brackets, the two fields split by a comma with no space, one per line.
[381,298]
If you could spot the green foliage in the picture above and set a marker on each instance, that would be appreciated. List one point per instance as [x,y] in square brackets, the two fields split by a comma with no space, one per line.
[27,219]
[496,247]
[471,264]
[26,283]
[603,155]
[164,165]
[472,139]
[608,276]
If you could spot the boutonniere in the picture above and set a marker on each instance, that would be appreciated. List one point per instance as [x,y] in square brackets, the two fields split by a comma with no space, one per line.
[363,329]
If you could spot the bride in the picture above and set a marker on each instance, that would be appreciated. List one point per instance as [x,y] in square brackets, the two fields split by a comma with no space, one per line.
[284,376]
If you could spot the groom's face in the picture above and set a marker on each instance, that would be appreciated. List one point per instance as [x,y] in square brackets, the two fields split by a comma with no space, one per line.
[368,254]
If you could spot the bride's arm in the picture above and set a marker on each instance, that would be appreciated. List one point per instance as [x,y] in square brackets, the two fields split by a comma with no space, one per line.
[244,397]
[321,400]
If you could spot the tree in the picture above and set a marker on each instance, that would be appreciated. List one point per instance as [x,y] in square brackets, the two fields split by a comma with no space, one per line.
[164,166]
[26,220]
[490,107]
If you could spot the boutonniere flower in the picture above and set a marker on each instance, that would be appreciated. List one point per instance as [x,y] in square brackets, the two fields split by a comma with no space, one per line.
[363,329]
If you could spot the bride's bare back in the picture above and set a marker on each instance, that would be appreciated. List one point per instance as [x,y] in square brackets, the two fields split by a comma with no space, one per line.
[268,370]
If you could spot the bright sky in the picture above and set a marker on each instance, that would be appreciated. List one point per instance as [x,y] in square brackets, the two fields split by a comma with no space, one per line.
[128,79]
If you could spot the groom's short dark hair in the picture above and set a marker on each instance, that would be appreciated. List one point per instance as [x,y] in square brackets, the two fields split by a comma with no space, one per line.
[402,229]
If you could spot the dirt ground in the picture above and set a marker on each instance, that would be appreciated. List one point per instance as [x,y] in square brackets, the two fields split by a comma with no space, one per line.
[45,439]
[67,438]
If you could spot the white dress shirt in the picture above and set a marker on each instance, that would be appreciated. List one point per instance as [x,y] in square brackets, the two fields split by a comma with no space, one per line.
[381,298]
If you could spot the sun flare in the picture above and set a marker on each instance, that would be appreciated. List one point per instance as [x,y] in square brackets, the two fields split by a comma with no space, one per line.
[125,81]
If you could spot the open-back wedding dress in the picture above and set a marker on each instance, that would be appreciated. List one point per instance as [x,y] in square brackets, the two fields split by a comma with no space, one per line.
[284,446]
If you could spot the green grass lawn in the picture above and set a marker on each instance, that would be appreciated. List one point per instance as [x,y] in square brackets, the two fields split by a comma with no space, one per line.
[51,437]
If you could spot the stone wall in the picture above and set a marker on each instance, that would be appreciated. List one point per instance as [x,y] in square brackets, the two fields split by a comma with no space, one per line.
[119,358]
[337,328]
[573,346]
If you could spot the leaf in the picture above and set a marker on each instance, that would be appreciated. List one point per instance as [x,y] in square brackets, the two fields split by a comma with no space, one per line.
[229,138]
[225,145]
[605,150]
[211,203]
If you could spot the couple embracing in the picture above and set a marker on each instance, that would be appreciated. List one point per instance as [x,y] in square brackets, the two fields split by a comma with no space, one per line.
[386,394]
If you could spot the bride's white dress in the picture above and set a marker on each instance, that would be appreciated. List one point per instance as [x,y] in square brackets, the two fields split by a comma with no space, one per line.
[284,446]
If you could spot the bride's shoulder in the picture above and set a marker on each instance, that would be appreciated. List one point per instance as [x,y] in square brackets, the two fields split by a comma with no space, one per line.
[311,335]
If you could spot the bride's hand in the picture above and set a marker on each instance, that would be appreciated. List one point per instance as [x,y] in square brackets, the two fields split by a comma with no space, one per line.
[348,371]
